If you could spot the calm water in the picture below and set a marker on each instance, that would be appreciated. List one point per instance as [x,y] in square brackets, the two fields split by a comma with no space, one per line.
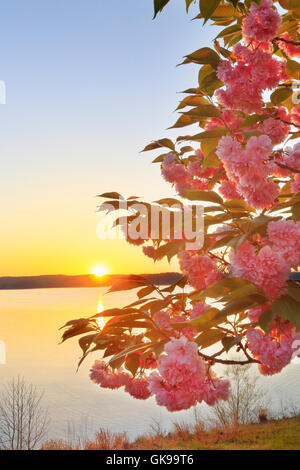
[29,324]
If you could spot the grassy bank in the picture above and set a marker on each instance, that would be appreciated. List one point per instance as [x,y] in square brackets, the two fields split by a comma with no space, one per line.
[281,434]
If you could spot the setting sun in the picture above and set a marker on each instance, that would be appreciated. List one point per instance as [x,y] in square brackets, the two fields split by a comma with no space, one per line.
[99,271]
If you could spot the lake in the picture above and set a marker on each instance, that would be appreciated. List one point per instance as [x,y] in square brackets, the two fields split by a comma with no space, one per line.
[29,326]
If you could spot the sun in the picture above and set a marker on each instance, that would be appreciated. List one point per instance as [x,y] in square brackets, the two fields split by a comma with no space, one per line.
[99,271]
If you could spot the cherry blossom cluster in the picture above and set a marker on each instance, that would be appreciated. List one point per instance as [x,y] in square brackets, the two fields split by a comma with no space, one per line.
[273,351]
[102,375]
[194,176]
[202,271]
[262,23]
[248,168]
[183,379]
[253,72]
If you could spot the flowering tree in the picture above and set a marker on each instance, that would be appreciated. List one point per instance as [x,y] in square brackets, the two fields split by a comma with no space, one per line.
[245,165]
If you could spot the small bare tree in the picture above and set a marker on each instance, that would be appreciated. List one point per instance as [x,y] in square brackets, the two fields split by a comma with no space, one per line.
[247,397]
[23,420]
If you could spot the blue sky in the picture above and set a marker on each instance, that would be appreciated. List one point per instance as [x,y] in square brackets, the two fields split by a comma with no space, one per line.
[89,84]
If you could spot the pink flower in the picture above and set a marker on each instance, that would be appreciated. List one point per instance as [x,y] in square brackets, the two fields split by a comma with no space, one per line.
[190,332]
[174,399]
[255,313]
[248,169]
[101,375]
[229,190]
[277,130]
[284,237]
[254,72]
[182,380]
[262,23]
[198,309]
[138,388]
[162,319]
[267,269]
[201,270]
[273,355]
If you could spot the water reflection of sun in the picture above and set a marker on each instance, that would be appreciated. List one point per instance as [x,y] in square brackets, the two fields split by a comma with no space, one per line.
[100,309]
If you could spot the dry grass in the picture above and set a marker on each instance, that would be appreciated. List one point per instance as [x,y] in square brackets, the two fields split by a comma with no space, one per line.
[271,435]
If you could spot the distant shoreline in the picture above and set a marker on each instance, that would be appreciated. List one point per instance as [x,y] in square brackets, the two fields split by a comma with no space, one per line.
[85,280]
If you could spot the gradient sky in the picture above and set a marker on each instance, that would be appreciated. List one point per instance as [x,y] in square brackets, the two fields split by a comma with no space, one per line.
[89,84]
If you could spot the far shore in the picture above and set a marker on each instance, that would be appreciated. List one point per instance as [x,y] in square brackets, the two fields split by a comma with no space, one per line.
[85,280]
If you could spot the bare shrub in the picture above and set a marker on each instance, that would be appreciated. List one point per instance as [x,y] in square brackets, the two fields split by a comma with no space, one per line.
[245,400]
[23,420]
[54,444]
[108,440]
[198,426]
[181,430]
[157,429]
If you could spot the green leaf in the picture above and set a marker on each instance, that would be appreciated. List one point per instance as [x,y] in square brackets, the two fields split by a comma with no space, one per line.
[239,306]
[210,196]
[204,322]
[293,291]
[250,120]
[132,363]
[288,308]
[213,134]
[132,349]
[229,31]
[293,69]
[194,100]
[265,320]
[169,250]
[188,3]
[289,4]
[280,95]
[226,286]
[158,144]
[203,111]
[207,8]
[159,6]
[209,337]
[184,120]
[224,11]
[111,195]
[86,341]
[236,205]
[129,282]
[230,341]
[211,160]
[296,212]
[145,291]
[204,55]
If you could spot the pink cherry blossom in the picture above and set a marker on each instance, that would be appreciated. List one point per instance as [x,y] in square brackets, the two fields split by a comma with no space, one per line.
[138,388]
[262,23]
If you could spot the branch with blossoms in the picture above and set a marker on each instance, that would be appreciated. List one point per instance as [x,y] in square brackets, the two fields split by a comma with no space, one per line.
[241,161]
